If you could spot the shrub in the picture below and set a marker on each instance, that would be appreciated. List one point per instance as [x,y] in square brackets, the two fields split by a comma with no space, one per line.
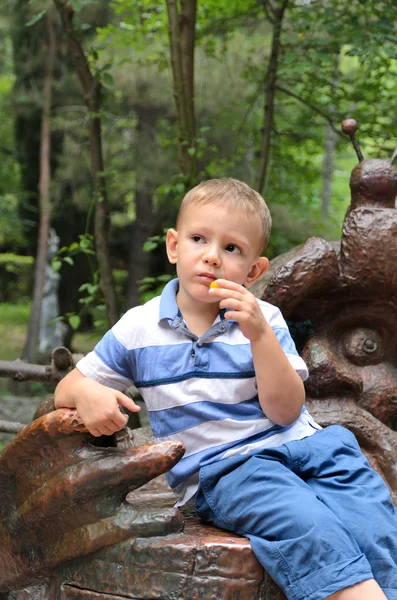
[16,278]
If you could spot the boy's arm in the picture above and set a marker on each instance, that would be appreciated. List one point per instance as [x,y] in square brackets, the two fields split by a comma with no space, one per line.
[97,405]
[280,389]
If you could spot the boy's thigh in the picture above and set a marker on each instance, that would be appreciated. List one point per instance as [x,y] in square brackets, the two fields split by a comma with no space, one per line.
[295,536]
[262,496]
[340,475]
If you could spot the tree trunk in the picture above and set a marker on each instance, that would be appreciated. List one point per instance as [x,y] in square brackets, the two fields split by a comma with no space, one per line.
[139,261]
[328,170]
[277,13]
[329,147]
[181,32]
[44,195]
[92,94]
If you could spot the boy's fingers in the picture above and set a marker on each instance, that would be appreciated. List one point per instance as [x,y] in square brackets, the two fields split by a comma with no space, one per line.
[117,420]
[95,432]
[127,402]
[108,429]
[231,303]
[226,285]
[226,292]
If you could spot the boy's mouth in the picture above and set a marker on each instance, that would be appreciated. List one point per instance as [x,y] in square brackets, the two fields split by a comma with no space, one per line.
[207,277]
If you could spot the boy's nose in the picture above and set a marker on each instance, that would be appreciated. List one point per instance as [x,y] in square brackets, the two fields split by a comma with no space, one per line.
[211,257]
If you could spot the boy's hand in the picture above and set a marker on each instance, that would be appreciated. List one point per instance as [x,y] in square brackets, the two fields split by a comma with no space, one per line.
[241,306]
[98,406]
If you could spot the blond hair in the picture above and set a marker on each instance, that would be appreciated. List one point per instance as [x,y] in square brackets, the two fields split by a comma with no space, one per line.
[236,195]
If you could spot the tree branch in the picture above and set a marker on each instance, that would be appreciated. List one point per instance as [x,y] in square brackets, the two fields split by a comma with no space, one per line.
[314,108]
[61,364]
[267,13]
[11,426]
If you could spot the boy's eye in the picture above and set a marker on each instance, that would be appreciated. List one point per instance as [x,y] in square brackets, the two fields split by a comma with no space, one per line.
[197,238]
[232,248]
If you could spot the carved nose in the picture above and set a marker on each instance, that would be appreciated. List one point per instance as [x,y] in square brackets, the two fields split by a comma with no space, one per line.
[329,374]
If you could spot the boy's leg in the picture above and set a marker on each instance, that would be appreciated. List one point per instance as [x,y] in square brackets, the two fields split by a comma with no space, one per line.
[335,468]
[306,549]
[366,590]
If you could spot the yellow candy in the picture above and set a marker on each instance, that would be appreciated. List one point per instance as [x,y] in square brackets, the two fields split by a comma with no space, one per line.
[214,284]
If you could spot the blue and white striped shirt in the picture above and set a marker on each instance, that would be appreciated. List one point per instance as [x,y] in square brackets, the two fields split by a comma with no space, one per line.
[200,391]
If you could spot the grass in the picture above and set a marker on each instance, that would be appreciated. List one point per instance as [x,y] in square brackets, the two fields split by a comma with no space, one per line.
[14,319]
[85,342]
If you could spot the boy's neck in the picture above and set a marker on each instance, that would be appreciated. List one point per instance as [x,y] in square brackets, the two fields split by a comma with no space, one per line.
[198,319]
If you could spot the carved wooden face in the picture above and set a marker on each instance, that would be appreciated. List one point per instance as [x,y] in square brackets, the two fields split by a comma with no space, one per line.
[352,355]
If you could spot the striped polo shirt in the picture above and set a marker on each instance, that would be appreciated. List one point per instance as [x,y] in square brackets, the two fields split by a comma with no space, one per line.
[199,390]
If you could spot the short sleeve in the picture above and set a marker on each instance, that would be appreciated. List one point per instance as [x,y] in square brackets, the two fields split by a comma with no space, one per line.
[110,361]
[276,321]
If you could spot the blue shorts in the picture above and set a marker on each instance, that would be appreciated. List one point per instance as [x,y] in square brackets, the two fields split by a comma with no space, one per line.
[318,517]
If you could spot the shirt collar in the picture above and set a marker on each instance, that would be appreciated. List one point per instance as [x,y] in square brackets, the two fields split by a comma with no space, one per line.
[169,308]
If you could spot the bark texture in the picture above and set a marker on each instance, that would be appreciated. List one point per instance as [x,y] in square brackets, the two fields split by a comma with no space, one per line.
[276,14]
[181,31]
[92,97]
[44,195]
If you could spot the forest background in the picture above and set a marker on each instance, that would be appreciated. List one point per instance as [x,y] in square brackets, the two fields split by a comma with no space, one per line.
[111,109]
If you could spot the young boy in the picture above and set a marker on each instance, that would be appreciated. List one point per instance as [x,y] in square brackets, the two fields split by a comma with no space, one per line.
[218,371]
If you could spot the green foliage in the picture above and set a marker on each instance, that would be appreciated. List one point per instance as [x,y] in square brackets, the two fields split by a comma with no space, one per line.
[337,60]
[154,241]
[91,296]
[67,254]
[11,233]
[16,277]
[150,287]
[36,18]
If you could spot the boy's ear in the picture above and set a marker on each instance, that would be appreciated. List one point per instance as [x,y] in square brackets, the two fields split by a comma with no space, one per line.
[171,244]
[258,268]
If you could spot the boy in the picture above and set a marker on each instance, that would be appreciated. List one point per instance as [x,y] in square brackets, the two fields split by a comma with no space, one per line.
[218,371]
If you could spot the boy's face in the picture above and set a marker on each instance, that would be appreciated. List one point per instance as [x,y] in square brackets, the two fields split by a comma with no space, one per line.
[211,243]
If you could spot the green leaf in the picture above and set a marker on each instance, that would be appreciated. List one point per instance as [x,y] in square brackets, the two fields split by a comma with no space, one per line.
[69,260]
[56,265]
[56,320]
[149,246]
[92,289]
[36,18]
[108,79]
[77,5]
[74,321]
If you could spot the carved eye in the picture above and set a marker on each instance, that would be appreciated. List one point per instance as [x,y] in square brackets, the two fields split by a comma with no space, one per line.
[363,346]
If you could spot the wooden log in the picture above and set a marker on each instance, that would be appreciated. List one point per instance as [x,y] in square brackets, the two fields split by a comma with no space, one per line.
[61,364]
[11,427]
